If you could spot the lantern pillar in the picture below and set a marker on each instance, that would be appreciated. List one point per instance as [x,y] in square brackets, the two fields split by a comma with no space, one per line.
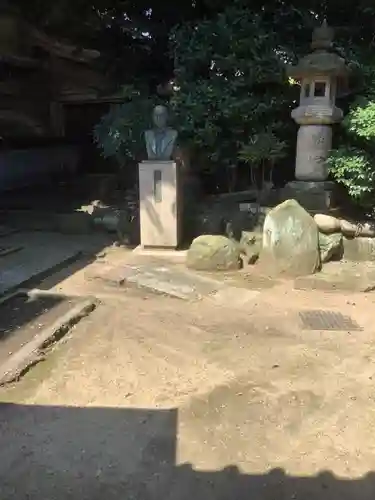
[318,73]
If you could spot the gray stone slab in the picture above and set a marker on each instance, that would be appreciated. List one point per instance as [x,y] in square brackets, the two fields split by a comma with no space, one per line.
[174,282]
[158,278]
[34,260]
[340,276]
[169,281]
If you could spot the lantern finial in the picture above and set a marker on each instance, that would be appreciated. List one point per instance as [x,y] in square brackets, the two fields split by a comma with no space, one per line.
[322,37]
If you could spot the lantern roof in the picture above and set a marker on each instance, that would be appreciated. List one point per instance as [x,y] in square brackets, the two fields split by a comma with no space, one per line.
[322,61]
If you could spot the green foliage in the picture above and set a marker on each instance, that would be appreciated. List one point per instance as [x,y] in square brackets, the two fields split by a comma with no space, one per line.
[120,132]
[360,121]
[264,147]
[228,60]
[352,163]
[262,152]
[355,170]
[231,83]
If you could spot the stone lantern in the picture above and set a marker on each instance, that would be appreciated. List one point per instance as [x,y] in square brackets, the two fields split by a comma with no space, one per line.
[319,73]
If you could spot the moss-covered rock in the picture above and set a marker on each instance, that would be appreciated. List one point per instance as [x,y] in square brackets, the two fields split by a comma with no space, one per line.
[213,253]
[330,246]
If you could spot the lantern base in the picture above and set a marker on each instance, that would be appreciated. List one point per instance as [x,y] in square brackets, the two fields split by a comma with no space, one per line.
[312,196]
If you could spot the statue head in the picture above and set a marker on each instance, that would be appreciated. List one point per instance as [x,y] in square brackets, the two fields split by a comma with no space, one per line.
[160,116]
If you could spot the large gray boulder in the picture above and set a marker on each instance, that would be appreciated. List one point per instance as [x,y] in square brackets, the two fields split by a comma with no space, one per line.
[290,241]
[213,253]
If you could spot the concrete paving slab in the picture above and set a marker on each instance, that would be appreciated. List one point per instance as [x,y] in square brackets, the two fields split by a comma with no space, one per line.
[158,279]
[173,282]
[42,253]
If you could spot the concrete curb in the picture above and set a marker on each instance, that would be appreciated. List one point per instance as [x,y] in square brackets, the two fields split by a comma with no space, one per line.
[9,250]
[32,352]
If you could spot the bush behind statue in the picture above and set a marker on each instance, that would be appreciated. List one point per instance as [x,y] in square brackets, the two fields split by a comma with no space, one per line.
[120,133]
[230,85]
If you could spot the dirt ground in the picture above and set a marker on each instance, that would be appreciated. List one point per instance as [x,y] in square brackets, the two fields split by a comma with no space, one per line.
[154,398]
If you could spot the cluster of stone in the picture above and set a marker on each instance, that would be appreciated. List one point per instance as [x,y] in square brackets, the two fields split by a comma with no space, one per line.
[291,242]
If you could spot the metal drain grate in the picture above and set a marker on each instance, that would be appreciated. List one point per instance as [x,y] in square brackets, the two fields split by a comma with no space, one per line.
[327,320]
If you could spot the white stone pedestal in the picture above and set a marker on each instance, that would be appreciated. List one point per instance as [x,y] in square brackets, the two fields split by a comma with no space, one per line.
[160,204]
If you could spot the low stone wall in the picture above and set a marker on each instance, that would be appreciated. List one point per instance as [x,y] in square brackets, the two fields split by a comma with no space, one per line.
[75,222]
[229,218]
[20,168]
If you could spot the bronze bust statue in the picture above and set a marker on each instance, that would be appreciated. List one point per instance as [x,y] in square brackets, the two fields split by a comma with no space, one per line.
[161,140]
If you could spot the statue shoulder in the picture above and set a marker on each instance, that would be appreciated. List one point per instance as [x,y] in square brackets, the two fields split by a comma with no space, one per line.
[173,132]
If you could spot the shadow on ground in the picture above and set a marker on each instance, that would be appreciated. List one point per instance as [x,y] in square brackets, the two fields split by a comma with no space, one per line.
[111,453]
[22,317]
[21,310]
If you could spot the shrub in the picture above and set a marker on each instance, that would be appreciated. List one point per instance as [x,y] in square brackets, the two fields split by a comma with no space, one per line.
[119,134]
[353,168]
[352,163]
[261,153]
[231,83]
